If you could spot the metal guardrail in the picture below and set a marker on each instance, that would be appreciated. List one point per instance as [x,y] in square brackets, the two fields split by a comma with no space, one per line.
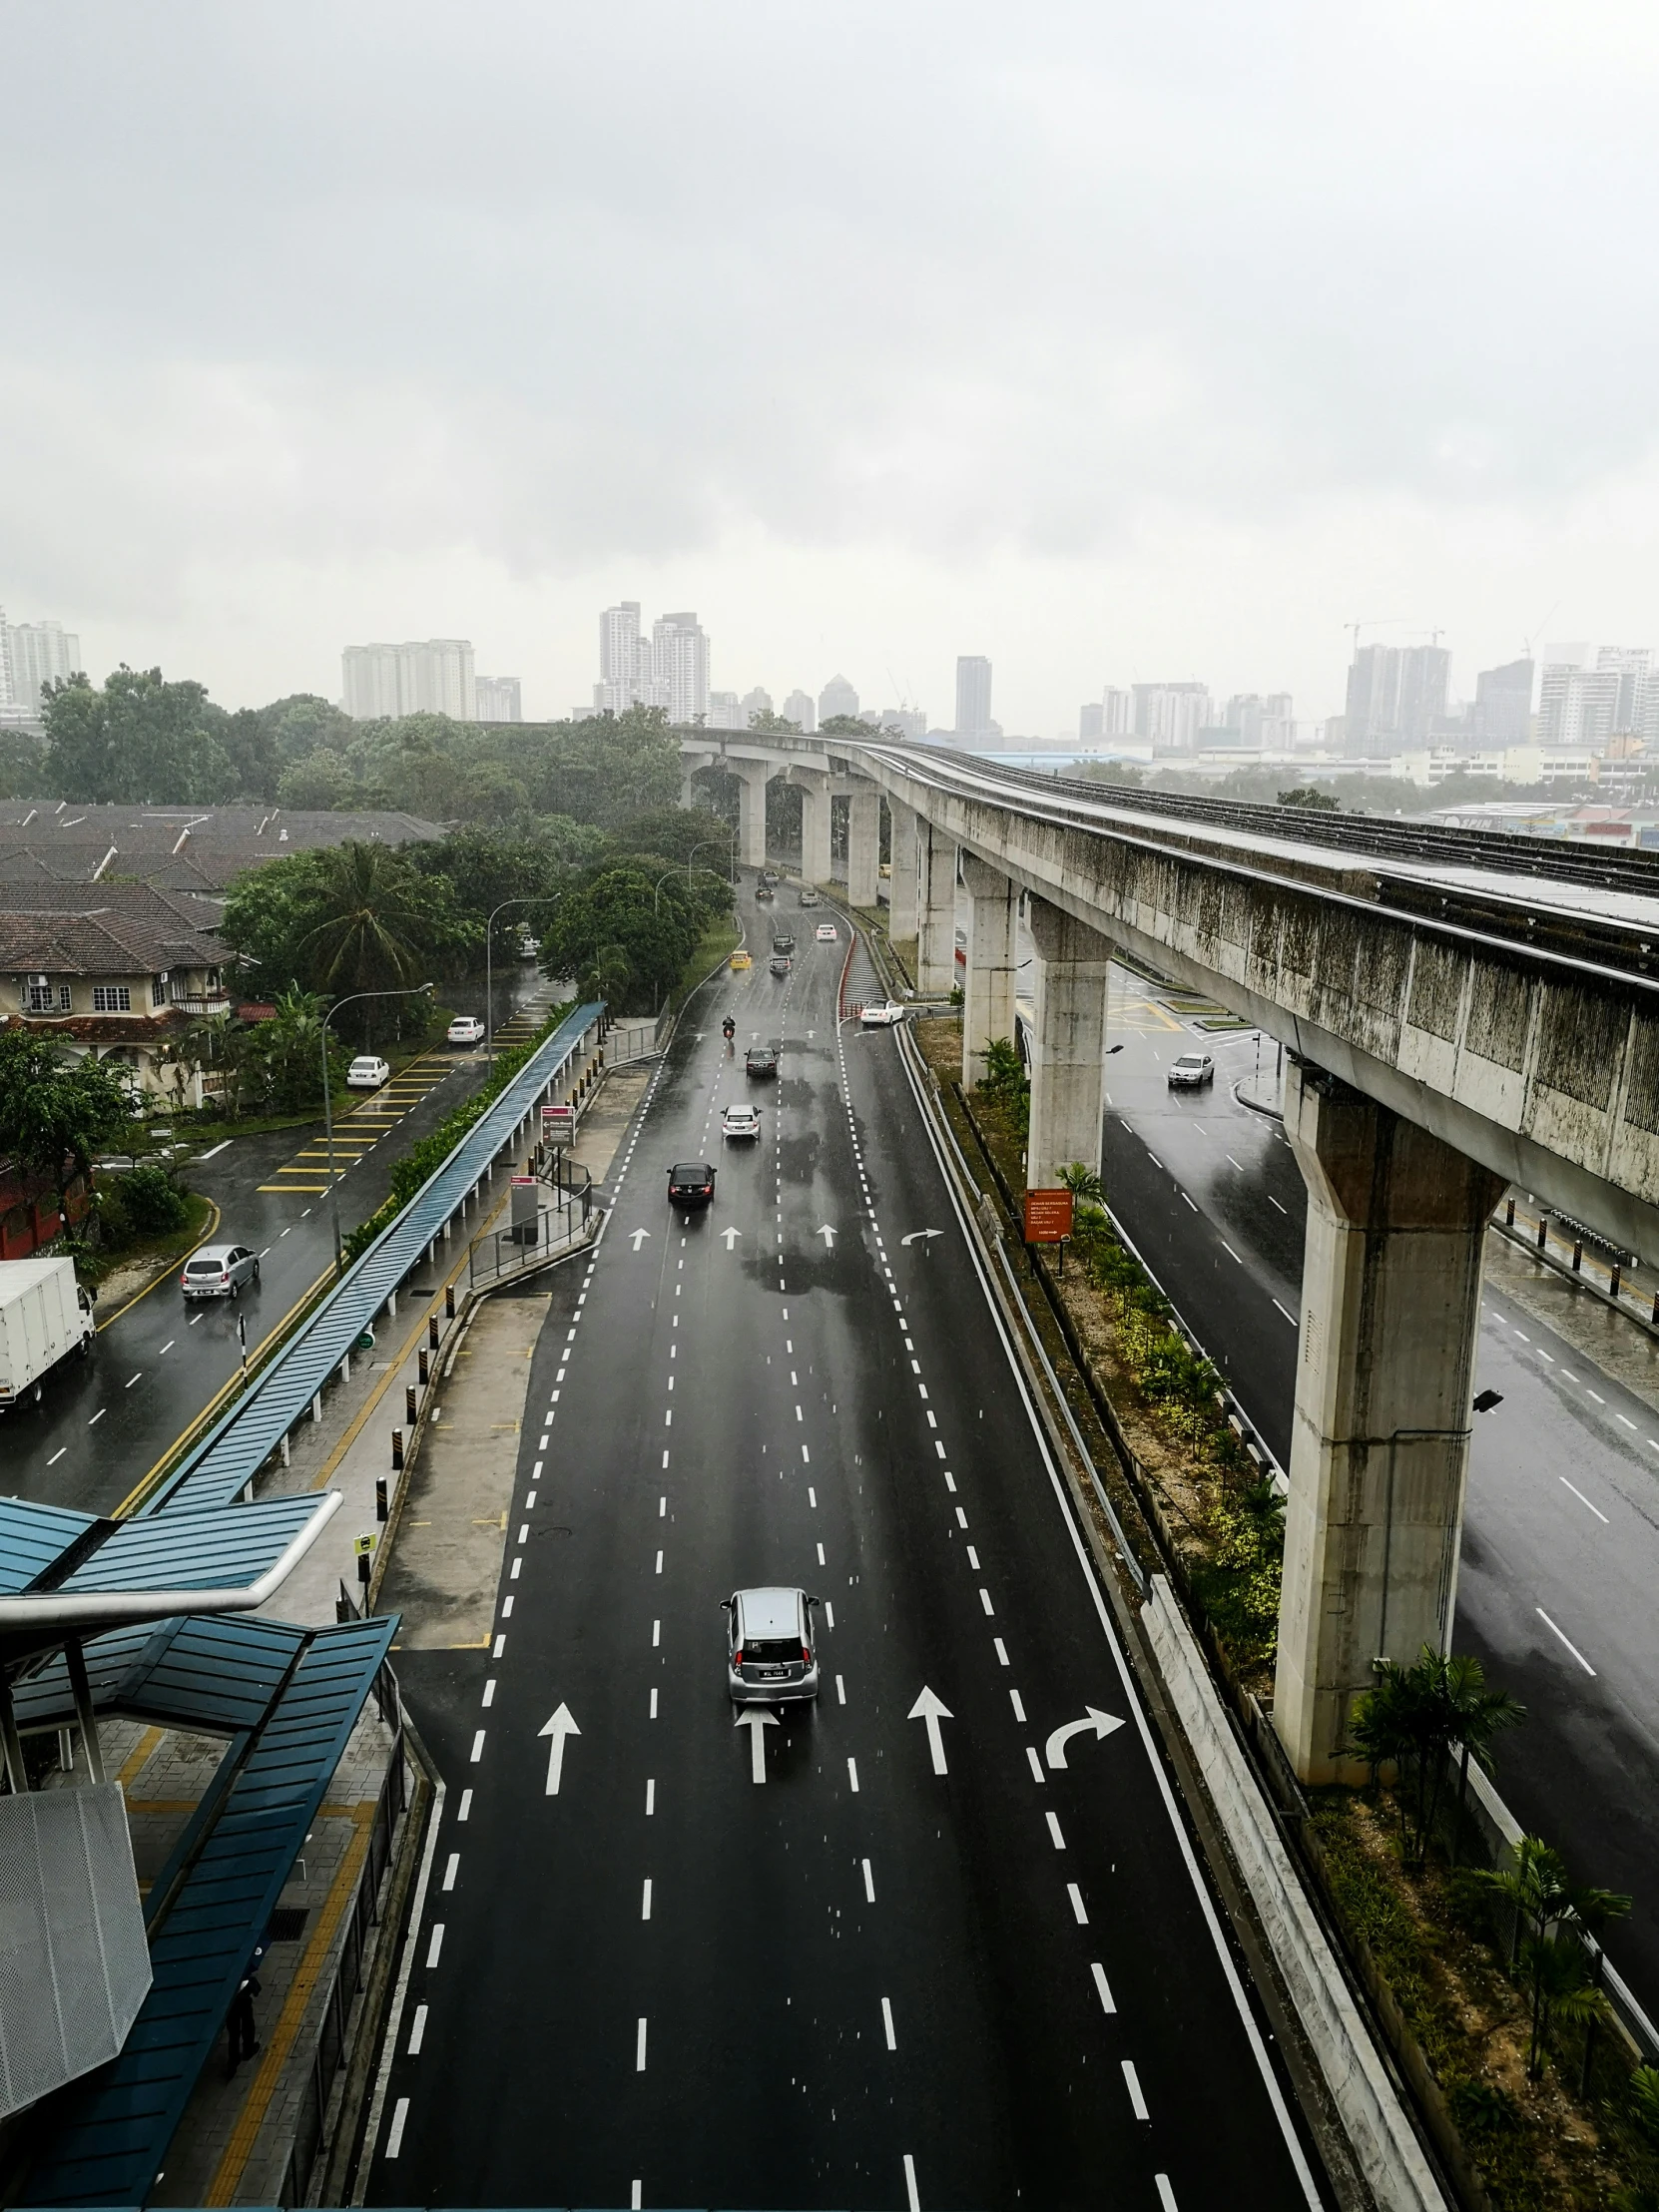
[225,1461]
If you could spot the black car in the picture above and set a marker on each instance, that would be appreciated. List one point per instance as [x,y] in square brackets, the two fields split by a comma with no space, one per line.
[765,890]
[783,942]
[761,1059]
[780,963]
[691,1183]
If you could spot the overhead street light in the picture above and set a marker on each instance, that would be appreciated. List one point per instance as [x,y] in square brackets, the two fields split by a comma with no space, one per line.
[415,991]
[525,898]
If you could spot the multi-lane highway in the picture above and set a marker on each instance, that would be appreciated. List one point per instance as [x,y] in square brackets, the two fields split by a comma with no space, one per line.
[106,1421]
[941,1940]
[1561,1534]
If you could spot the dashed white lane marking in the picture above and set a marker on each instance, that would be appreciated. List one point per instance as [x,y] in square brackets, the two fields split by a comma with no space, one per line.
[1079,1911]
[399,2114]
[1289,1316]
[1018,1705]
[1107,2003]
[417,2034]
[639,2049]
[1132,2083]
[645,1900]
[1054,1832]
[477,1747]
[489,1692]
[840,1690]
[436,1947]
[1036,1767]
[1583,1500]
[911,2198]
[1625,1418]
[1571,1646]
[887,2022]
[453,1868]
[852,1776]
[465,1813]
[1001,1650]
[57,1455]
[985,1601]
[869,1884]
[1231,1254]
[652,1704]
[1166,2195]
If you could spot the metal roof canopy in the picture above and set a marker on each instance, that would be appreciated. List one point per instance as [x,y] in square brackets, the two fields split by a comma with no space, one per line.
[227,1458]
[110,2132]
[217,1673]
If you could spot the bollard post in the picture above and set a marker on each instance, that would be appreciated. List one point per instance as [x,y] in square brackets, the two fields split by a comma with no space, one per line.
[397,1451]
[317,1407]
[425,1375]
[1543,1231]
[1509,1214]
[379,1497]
[391,1306]
[345,1369]
[1577,1254]
[362,1568]
[1613,1287]
[449,1302]
[409,1404]
[432,1332]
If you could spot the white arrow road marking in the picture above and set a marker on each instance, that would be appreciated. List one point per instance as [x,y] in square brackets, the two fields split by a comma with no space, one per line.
[755,1718]
[731,1236]
[1098,1724]
[917,1236]
[827,1234]
[559,1727]
[638,1237]
[933,1710]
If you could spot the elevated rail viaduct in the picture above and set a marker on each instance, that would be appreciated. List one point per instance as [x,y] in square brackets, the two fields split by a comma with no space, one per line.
[1460,1011]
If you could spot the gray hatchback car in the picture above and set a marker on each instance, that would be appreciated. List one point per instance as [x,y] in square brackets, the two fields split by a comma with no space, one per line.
[769,1657]
[220,1270]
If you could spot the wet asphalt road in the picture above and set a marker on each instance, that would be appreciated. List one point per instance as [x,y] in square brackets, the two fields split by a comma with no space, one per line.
[105,1421]
[1563,1516]
[859,1982]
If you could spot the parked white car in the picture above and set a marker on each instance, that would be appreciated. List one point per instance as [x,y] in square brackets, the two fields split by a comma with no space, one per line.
[881,1013]
[367,1073]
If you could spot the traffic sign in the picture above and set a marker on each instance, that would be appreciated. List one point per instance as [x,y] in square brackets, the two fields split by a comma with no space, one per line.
[1047,1216]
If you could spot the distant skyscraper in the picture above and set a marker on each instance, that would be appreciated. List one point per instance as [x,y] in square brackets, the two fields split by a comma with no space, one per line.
[436,676]
[725,711]
[1502,715]
[1090,723]
[1261,719]
[1117,713]
[973,695]
[836,697]
[756,702]
[1170,716]
[623,668]
[33,654]
[799,708]
[1395,697]
[679,667]
[909,721]
[1578,705]
[498,699]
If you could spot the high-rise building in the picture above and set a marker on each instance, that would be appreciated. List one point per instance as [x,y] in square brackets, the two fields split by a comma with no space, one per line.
[1171,715]
[624,665]
[1395,697]
[756,702]
[1502,712]
[909,721]
[973,695]
[33,654]
[679,667]
[434,676]
[499,699]
[1580,707]
[1090,723]
[799,708]
[836,697]
[725,711]
[1261,719]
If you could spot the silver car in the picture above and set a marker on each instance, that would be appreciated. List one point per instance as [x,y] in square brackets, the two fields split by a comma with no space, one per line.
[1191,1071]
[769,1657]
[220,1270]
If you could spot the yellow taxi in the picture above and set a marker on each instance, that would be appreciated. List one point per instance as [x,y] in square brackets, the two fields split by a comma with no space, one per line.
[740,960]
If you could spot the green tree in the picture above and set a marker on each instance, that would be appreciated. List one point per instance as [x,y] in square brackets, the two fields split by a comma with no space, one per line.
[1310,797]
[1005,1082]
[623,915]
[676,833]
[606,770]
[319,780]
[22,765]
[1552,1915]
[139,739]
[773,725]
[55,1112]
[1413,1720]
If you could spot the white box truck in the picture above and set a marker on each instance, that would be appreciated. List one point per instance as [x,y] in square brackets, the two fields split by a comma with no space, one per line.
[44,1316]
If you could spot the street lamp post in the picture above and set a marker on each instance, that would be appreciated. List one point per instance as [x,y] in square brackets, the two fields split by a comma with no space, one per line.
[415,991]
[657,890]
[527,898]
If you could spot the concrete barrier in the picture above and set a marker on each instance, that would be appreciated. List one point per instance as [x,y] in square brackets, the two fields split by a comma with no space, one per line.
[1379,2130]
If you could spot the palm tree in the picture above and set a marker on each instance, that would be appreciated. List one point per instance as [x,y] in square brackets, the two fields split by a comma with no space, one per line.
[1412,1721]
[1552,1917]
[378,924]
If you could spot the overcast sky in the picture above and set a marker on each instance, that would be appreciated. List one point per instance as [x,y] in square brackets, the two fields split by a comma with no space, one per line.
[1118,341]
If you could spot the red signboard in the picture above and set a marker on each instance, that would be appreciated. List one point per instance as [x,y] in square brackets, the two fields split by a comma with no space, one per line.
[1047,1216]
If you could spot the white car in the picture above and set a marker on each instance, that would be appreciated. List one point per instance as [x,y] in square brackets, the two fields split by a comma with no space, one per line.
[739,1121]
[826,932]
[367,1073]
[1192,1069]
[465,1030]
[881,1013]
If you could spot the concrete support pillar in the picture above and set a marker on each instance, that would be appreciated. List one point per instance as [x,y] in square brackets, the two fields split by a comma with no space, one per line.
[814,830]
[1391,1298]
[935,912]
[688,791]
[902,877]
[1069,1051]
[752,814]
[988,1003]
[864,846]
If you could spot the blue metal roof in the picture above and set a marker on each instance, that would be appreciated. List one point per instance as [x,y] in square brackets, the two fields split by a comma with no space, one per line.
[107,2135]
[33,1539]
[227,1460]
[219,1673]
[195,1551]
